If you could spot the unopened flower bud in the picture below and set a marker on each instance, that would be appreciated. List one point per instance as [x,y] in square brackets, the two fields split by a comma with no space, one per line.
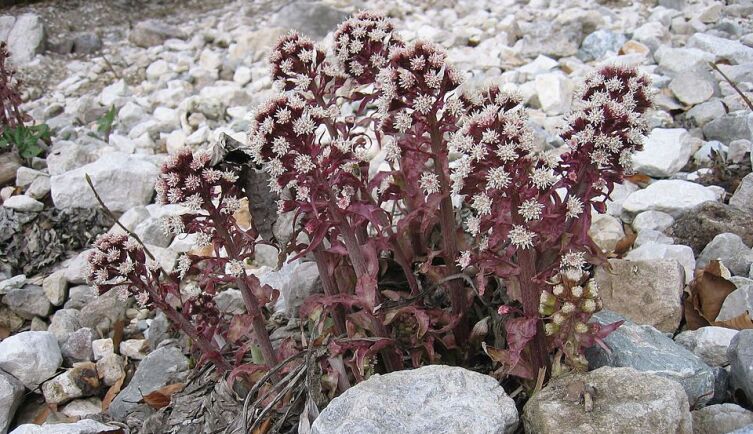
[576,291]
[558,318]
[558,290]
[551,329]
[568,308]
[588,306]
[581,328]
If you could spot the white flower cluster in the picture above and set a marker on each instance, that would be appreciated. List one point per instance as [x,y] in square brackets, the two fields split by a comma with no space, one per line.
[611,105]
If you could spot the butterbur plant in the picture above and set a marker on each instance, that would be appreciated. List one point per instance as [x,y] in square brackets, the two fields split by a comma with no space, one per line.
[368,145]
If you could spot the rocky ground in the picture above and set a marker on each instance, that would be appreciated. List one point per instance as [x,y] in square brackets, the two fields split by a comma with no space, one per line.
[182,72]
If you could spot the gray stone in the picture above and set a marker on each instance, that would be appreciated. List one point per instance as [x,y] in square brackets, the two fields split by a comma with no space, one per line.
[6,24]
[706,112]
[743,196]
[708,343]
[78,382]
[65,156]
[698,226]
[646,349]
[32,357]
[25,176]
[79,408]
[652,251]
[28,301]
[692,89]
[27,38]
[744,430]
[739,149]
[86,426]
[723,49]
[159,329]
[652,220]
[731,251]
[599,43]
[86,43]
[311,18]
[651,236]
[737,303]
[676,61]
[644,291]
[230,301]
[161,367]
[625,401]
[704,154]
[101,313]
[14,282]
[152,32]
[431,399]
[672,196]
[79,296]
[554,91]
[732,126]
[110,368]
[9,164]
[78,346]
[39,188]
[721,419]
[664,153]
[151,231]
[122,181]
[740,355]
[606,231]
[63,323]
[55,287]
[23,203]
[11,393]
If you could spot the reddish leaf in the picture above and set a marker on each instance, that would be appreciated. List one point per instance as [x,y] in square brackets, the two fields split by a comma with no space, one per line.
[112,392]
[160,398]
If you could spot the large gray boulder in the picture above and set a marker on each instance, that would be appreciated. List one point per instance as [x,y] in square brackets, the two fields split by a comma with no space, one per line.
[86,426]
[32,357]
[646,349]
[731,251]
[624,401]
[122,181]
[27,38]
[431,399]
[743,196]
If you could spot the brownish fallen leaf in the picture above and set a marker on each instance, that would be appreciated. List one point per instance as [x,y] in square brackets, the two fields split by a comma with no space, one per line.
[640,179]
[263,427]
[117,334]
[740,322]
[160,398]
[708,291]
[112,392]
[626,242]
[4,332]
[41,417]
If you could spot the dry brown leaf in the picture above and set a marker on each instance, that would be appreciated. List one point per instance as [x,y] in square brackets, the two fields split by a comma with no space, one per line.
[626,242]
[41,417]
[710,289]
[263,427]
[112,392]
[161,397]
[243,217]
[117,334]
[4,332]
[740,322]
[640,179]
[693,319]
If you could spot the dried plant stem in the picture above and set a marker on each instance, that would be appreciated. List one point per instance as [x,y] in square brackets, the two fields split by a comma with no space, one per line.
[115,219]
[734,86]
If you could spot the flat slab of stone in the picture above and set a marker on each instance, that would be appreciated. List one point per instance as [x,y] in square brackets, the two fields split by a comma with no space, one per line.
[644,291]
[432,399]
[625,401]
[646,349]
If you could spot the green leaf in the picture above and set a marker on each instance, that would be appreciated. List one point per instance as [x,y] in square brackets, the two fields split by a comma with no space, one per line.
[104,124]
